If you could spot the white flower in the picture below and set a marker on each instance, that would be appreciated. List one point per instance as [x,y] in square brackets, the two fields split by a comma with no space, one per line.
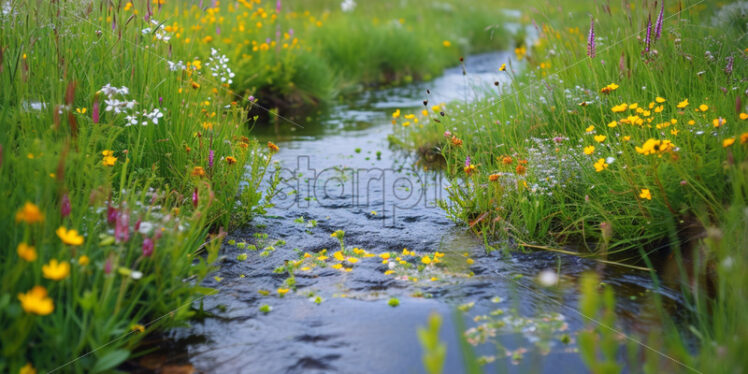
[548,278]
[348,5]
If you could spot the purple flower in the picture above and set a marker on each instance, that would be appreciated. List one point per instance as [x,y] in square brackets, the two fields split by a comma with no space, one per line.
[591,39]
[122,227]
[467,161]
[660,20]
[559,139]
[729,66]
[147,247]
[251,99]
[278,6]
[111,213]
[648,39]
[65,206]
[218,30]
[211,157]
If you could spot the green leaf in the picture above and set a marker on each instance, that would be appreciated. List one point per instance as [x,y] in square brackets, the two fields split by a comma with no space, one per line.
[110,360]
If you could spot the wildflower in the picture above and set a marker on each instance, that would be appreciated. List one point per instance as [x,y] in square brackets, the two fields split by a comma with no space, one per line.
[600,165]
[729,66]
[674,132]
[338,234]
[456,141]
[660,19]
[744,116]
[520,169]
[29,213]
[230,160]
[446,43]
[609,88]
[703,107]
[506,160]
[648,37]
[198,171]
[682,104]
[147,247]
[137,328]
[27,369]
[503,67]
[83,260]
[744,138]
[600,138]
[589,150]
[619,108]
[659,100]
[652,146]
[645,194]
[591,39]
[108,158]
[470,261]
[26,252]
[717,122]
[36,301]
[273,147]
[493,177]
[122,227]
[426,260]
[56,270]
[447,134]
[211,157]
[591,128]
[396,114]
[65,206]
[626,138]
[69,237]
[282,291]
[728,142]
[352,260]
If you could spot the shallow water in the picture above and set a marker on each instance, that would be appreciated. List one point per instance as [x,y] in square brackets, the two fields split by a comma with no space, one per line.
[385,203]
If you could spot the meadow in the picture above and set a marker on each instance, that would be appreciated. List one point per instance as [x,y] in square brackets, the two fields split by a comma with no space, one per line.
[622,137]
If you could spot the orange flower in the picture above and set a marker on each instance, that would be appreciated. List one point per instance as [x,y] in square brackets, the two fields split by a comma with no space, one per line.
[29,213]
[493,177]
[521,169]
[36,301]
[744,138]
[230,160]
[456,141]
[273,147]
[26,252]
[506,160]
[198,171]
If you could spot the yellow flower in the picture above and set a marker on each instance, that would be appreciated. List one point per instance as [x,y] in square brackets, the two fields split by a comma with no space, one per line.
[659,100]
[674,132]
[717,122]
[128,6]
[396,113]
[691,122]
[703,108]
[337,266]
[446,43]
[29,213]
[626,138]
[27,369]
[436,109]
[69,237]
[645,194]
[619,108]
[230,160]
[682,104]
[26,252]
[728,142]
[338,256]
[388,272]
[282,291]
[83,260]
[503,67]
[36,301]
[137,328]
[81,110]
[600,138]
[634,106]
[600,165]
[652,146]
[744,138]
[470,261]
[198,171]
[352,260]
[613,124]
[589,150]
[744,116]
[590,129]
[659,108]
[56,271]
[108,158]
[426,260]
[385,256]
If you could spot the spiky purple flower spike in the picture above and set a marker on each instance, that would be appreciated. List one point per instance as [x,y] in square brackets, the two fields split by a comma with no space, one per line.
[591,39]
[467,161]
[648,39]
[660,20]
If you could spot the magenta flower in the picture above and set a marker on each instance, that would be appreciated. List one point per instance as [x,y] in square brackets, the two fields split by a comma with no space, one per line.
[211,157]
[111,213]
[194,198]
[65,207]
[122,227]
[108,265]
[648,39]
[467,161]
[660,20]
[147,247]
[591,39]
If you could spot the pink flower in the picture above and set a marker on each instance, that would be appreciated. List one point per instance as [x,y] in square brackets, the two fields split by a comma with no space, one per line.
[194,198]
[147,247]
[65,206]
[447,134]
[591,39]
[122,227]
[111,213]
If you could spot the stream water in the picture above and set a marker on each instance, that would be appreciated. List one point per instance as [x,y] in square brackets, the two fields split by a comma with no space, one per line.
[341,174]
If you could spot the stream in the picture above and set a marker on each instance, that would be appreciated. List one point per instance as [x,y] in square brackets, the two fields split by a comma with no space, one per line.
[341,174]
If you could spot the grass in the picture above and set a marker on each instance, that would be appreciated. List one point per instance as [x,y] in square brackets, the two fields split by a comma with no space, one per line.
[625,155]
[146,201]
[309,52]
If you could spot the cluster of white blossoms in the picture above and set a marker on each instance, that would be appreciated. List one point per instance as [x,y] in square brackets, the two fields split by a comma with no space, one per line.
[159,33]
[219,68]
[115,102]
